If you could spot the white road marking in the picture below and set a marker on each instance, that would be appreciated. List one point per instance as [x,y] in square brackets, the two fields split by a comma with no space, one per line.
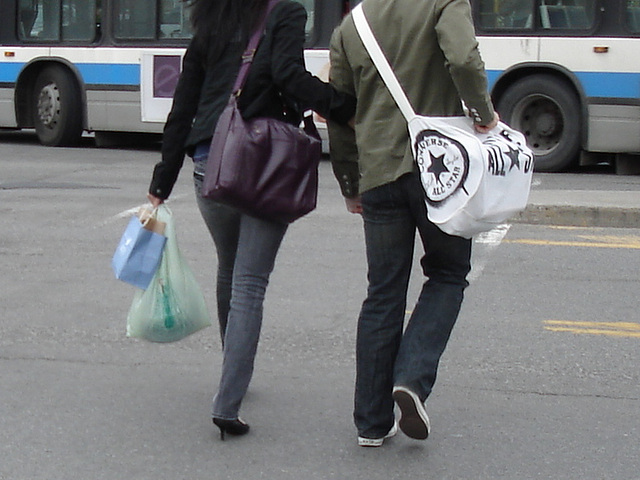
[492,240]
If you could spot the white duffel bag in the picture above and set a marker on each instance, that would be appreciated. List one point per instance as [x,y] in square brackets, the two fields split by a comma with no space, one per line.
[472,181]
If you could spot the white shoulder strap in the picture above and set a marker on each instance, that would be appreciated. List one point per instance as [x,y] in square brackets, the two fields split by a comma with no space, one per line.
[381,63]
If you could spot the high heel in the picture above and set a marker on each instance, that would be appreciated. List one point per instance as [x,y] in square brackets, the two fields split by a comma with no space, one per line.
[232,427]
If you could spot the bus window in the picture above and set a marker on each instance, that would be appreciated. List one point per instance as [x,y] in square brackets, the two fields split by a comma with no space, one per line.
[506,14]
[79,20]
[53,20]
[39,20]
[174,19]
[135,19]
[27,14]
[567,14]
[633,15]
[309,5]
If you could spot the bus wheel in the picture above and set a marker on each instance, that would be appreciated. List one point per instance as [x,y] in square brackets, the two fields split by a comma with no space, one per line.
[547,111]
[57,108]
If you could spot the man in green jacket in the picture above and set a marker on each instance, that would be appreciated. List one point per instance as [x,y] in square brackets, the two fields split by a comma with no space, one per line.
[433,51]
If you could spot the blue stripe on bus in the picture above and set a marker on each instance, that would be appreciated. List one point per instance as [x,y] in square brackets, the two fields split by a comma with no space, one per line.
[109,73]
[91,73]
[619,85]
[597,84]
[9,71]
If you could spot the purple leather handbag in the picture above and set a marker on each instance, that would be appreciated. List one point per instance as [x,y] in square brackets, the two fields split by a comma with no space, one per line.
[262,166]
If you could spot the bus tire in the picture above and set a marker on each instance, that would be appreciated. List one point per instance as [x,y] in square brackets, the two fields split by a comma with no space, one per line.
[57,107]
[547,111]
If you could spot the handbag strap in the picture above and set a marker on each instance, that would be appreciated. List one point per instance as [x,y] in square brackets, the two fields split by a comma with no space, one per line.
[252,46]
[381,63]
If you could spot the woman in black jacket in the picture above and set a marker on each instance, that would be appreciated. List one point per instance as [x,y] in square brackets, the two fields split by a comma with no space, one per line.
[278,86]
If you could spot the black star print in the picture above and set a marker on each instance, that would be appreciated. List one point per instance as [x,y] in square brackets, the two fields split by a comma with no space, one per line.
[437,166]
[514,155]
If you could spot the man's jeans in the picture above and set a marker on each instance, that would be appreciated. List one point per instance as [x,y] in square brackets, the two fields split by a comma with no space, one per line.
[246,249]
[385,356]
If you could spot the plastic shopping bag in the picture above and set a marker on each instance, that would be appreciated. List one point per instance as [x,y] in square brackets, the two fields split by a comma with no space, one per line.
[139,252]
[172,307]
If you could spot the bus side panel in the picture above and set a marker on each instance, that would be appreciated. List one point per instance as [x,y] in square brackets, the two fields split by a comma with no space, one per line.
[500,53]
[611,83]
[610,74]
[117,111]
[115,89]
[614,128]
[7,108]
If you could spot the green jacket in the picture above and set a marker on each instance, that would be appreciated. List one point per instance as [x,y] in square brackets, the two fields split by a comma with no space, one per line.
[433,51]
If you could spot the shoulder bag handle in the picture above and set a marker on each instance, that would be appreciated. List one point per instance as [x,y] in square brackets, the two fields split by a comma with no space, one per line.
[381,63]
[252,46]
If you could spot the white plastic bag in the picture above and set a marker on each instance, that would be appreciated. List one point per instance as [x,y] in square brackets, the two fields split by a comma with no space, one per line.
[172,307]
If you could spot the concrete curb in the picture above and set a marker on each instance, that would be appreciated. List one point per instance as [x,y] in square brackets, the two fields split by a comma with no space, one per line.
[579,216]
[582,208]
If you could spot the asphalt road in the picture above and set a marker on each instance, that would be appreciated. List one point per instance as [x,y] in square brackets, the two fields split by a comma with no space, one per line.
[540,380]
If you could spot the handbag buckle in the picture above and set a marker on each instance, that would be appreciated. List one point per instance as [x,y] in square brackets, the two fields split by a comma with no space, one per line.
[248,55]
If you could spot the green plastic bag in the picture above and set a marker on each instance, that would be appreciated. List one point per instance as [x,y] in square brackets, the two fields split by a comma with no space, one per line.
[172,307]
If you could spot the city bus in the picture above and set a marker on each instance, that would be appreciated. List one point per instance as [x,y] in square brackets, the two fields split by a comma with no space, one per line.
[566,73]
[74,66]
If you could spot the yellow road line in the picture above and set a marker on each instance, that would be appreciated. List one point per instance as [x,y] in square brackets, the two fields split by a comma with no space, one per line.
[613,329]
[614,325]
[528,241]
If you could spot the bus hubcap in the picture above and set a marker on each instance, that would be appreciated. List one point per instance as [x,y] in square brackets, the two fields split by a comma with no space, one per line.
[49,105]
[540,119]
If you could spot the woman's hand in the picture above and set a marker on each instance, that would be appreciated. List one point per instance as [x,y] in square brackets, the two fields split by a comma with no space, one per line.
[155,201]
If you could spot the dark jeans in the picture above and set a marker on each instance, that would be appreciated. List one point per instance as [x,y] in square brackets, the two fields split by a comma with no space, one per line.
[385,355]
[246,249]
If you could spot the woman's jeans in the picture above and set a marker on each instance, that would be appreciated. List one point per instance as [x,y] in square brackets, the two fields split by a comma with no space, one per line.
[385,355]
[246,249]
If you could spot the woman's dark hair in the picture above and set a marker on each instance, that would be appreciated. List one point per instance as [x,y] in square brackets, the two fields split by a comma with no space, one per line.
[223,18]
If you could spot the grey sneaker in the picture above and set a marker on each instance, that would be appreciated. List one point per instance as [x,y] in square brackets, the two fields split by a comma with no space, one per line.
[377,442]
[414,421]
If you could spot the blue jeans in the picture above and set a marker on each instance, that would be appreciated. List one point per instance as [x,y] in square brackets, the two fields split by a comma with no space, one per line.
[246,247]
[386,356]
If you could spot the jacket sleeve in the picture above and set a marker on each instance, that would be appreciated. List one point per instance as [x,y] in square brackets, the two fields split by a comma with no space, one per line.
[179,121]
[342,144]
[291,76]
[456,37]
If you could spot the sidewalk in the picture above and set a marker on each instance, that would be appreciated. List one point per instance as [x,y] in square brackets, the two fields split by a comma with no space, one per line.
[584,201]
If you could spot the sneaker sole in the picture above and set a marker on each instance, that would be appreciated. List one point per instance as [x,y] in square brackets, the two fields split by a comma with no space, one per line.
[370,442]
[378,442]
[414,421]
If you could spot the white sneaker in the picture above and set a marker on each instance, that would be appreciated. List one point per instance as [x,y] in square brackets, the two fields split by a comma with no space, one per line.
[377,442]
[414,421]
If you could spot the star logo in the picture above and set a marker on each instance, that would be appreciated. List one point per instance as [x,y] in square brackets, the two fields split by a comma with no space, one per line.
[514,156]
[443,163]
[437,166]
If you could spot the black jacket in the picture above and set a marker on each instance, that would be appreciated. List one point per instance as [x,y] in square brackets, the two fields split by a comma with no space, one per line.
[278,86]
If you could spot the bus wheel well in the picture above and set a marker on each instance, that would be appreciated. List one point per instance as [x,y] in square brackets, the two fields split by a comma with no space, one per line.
[512,76]
[547,108]
[25,105]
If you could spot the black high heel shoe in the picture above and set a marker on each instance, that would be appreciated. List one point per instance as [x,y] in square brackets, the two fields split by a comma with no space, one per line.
[232,427]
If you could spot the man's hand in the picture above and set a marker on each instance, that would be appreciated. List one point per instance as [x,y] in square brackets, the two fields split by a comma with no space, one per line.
[354,205]
[489,126]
